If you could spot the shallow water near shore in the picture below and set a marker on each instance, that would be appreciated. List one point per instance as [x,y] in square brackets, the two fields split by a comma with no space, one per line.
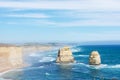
[44,66]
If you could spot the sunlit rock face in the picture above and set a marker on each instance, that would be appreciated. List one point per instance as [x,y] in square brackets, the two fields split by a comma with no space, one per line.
[65,55]
[11,56]
[94,58]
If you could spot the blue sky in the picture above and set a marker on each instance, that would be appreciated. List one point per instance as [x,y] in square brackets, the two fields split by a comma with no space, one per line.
[59,20]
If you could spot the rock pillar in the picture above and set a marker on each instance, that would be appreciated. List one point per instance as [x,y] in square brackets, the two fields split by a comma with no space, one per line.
[94,58]
[65,55]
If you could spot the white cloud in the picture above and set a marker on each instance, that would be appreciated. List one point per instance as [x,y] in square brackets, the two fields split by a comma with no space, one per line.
[93,36]
[87,23]
[93,15]
[90,18]
[44,22]
[71,4]
[30,15]
[11,23]
[75,6]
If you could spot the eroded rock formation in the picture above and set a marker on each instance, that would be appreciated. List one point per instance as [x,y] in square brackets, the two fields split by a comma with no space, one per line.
[94,58]
[10,56]
[65,55]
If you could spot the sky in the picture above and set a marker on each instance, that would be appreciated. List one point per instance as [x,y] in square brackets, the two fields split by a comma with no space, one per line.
[59,20]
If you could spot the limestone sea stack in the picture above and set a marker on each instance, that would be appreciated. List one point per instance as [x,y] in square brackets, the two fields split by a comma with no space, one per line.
[65,55]
[94,58]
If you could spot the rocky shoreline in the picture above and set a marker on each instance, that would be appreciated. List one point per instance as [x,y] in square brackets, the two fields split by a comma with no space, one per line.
[11,56]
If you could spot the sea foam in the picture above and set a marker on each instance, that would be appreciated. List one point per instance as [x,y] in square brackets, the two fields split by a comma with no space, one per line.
[108,66]
[101,66]
[113,66]
[33,54]
[47,59]
[76,49]
[83,55]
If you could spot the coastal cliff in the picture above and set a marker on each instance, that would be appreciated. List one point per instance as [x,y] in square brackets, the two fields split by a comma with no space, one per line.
[10,57]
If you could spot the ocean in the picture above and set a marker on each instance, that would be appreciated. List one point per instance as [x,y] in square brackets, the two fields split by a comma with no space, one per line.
[44,67]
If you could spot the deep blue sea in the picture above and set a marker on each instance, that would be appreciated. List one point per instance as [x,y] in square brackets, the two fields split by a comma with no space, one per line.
[43,66]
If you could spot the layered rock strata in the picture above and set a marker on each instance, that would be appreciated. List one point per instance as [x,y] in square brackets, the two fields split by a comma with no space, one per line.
[10,57]
[94,58]
[65,55]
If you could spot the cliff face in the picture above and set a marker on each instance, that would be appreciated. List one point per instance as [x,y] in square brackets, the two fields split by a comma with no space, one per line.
[65,55]
[94,58]
[10,57]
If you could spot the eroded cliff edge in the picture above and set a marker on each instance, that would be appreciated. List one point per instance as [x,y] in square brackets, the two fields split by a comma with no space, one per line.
[10,57]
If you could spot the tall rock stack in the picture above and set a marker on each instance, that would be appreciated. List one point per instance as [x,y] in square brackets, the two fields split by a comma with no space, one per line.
[94,58]
[65,55]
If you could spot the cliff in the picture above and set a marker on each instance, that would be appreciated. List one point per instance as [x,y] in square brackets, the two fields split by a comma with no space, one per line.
[10,57]
[65,55]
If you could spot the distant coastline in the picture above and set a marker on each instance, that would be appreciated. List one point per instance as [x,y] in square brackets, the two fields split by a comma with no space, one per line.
[100,43]
[27,48]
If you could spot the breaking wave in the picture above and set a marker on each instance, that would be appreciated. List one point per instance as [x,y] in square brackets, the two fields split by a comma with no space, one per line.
[33,54]
[47,59]
[113,66]
[83,55]
[47,73]
[30,68]
[100,66]
[107,66]
[76,49]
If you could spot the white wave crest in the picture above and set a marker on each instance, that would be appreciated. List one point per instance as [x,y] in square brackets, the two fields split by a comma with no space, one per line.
[98,66]
[101,66]
[107,66]
[30,68]
[33,54]
[47,73]
[49,55]
[47,59]
[83,64]
[41,66]
[113,66]
[83,55]
[76,50]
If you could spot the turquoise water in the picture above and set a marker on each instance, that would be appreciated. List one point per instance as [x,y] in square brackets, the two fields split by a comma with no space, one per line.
[44,66]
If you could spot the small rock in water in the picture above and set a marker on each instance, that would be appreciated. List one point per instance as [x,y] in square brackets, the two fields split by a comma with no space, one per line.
[94,58]
[65,55]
